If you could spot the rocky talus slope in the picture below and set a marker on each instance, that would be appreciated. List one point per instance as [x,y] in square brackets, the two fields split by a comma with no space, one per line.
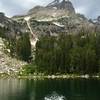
[8,65]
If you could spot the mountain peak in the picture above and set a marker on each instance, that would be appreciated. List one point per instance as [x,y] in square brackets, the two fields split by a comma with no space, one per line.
[64,4]
[58,7]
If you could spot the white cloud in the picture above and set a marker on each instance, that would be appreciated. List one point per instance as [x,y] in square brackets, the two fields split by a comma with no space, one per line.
[13,7]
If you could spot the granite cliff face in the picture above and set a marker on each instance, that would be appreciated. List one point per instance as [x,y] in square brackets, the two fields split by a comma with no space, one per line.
[57,17]
[65,5]
[11,28]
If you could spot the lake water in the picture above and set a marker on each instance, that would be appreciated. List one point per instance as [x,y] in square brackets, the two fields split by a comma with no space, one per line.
[69,89]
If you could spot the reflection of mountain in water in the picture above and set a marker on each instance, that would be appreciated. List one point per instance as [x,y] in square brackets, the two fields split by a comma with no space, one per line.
[55,96]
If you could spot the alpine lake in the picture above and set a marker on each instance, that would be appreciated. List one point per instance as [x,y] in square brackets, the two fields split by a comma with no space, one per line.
[50,89]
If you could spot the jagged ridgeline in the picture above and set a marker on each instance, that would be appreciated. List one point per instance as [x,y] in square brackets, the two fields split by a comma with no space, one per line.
[55,18]
[65,4]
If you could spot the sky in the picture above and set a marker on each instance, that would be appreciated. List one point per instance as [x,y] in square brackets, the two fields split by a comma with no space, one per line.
[90,8]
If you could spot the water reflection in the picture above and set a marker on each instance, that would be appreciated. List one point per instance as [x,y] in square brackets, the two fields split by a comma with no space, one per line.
[9,89]
[15,89]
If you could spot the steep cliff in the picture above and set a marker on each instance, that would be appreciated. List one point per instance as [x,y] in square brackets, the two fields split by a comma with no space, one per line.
[8,65]
[11,28]
[57,17]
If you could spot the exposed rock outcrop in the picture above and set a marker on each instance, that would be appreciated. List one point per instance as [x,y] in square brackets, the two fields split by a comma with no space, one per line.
[8,65]
[64,4]
[12,28]
[57,17]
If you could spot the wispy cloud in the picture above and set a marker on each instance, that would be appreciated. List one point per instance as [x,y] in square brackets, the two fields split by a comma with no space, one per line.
[90,8]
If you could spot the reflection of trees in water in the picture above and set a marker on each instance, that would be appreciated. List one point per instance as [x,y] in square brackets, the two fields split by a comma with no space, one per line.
[14,89]
[70,89]
[10,88]
[17,89]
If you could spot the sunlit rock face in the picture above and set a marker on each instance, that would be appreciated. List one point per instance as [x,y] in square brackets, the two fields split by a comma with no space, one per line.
[57,17]
[54,96]
[64,5]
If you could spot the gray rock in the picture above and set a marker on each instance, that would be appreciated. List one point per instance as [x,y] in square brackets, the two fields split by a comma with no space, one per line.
[7,64]
[57,17]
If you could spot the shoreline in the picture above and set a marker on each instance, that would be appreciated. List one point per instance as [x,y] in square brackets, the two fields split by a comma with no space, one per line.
[59,77]
[41,76]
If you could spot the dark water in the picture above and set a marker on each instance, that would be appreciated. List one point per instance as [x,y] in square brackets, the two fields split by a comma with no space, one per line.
[15,89]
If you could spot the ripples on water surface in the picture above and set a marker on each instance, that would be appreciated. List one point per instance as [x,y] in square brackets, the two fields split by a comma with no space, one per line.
[18,89]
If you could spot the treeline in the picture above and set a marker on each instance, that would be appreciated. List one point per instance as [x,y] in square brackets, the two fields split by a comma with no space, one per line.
[68,54]
[62,54]
[18,46]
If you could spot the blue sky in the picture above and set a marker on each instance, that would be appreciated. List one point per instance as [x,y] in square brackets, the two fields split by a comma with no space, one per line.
[91,8]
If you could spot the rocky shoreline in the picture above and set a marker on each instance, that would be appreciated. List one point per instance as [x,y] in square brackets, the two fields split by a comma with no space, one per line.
[68,76]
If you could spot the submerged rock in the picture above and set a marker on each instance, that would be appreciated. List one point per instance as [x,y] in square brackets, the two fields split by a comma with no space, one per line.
[55,96]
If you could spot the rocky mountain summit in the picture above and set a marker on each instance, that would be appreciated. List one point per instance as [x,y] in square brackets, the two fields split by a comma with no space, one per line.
[65,5]
[57,17]
[53,19]
[53,9]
